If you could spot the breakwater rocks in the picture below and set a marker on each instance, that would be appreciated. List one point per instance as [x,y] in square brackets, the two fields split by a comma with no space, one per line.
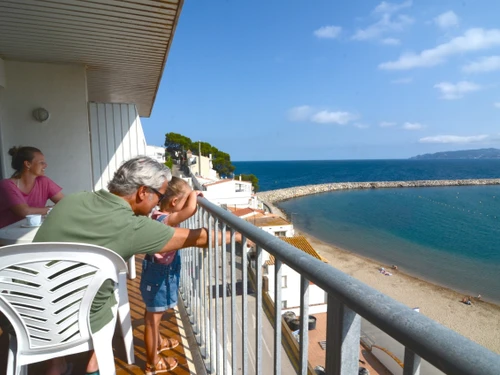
[274,196]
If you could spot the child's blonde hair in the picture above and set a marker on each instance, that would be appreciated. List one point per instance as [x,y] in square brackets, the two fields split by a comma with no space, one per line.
[177,187]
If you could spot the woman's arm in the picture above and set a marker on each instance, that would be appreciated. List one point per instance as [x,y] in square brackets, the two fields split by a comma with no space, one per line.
[23,209]
[186,212]
[56,198]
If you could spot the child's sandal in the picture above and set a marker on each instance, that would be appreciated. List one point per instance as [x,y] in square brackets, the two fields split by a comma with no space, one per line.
[167,344]
[161,366]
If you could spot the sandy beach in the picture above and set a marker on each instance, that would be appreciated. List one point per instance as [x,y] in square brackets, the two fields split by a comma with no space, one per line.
[479,322]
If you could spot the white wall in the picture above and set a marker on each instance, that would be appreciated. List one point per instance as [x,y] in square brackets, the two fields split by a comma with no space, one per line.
[64,138]
[156,152]
[117,135]
[225,193]
[205,164]
[288,229]
[291,294]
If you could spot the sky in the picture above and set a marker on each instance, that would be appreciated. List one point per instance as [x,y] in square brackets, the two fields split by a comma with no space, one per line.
[322,80]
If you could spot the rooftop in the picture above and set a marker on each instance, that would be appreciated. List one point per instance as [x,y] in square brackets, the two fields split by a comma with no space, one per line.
[301,243]
[267,220]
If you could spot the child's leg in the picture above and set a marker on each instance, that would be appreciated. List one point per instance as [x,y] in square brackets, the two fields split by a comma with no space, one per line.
[152,335]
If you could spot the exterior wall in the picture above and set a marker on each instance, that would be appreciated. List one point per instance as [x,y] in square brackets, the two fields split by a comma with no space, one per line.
[64,137]
[291,293]
[156,152]
[230,192]
[205,165]
[117,135]
[288,229]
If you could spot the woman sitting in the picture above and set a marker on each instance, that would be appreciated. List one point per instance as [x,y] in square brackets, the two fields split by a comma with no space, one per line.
[28,190]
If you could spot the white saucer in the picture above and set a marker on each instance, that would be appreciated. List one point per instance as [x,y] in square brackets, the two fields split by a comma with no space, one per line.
[30,226]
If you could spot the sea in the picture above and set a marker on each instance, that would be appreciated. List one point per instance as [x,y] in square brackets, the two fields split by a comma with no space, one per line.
[447,235]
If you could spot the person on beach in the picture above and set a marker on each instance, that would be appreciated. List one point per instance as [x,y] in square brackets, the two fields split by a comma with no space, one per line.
[118,220]
[26,192]
[161,272]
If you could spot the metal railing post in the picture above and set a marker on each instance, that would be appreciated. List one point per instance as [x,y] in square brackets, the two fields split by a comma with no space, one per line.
[304,324]
[258,308]
[411,363]
[343,329]
[234,364]
[277,317]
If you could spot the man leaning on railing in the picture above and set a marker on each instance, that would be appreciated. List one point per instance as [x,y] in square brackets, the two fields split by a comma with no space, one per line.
[118,219]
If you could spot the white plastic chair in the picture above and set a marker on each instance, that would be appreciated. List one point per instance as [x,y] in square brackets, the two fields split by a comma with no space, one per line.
[46,291]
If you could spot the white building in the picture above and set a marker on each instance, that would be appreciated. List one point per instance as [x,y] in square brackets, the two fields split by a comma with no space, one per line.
[95,68]
[201,166]
[233,193]
[272,224]
[290,280]
[156,152]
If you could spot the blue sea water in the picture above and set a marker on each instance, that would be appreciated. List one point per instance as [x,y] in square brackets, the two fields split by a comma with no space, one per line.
[448,235]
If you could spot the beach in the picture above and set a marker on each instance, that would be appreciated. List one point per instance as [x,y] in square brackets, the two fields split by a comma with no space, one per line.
[479,322]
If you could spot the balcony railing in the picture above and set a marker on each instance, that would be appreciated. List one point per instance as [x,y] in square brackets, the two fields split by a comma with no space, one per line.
[210,274]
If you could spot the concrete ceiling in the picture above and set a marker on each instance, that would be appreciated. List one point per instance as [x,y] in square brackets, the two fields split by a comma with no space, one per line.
[123,43]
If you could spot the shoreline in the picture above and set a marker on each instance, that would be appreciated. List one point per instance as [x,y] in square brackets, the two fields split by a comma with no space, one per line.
[479,322]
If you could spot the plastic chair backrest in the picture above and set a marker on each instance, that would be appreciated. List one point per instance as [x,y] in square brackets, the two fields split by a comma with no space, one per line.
[47,289]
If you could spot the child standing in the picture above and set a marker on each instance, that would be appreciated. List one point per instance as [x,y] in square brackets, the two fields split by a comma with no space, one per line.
[160,276]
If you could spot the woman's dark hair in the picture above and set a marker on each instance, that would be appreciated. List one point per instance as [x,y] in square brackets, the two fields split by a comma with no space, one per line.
[19,156]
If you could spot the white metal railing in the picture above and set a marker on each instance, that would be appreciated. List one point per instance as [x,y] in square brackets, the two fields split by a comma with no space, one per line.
[208,273]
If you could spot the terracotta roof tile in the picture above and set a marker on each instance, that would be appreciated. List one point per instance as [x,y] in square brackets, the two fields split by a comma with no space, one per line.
[301,243]
[267,221]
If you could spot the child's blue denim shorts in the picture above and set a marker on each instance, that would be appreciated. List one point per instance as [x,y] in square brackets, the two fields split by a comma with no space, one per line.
[160,283]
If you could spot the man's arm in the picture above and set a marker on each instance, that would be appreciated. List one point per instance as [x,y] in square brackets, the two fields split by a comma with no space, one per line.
[195,238]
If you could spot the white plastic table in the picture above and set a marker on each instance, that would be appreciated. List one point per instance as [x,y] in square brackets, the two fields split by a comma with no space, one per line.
[16,233]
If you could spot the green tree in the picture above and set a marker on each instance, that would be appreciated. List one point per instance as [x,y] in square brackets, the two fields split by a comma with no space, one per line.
[169,162]
[253,179]
[177,142]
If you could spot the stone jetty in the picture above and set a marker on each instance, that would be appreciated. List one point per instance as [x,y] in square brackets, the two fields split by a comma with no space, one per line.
[274,196]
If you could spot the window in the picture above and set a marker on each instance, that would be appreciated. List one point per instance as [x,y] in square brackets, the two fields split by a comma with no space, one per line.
[265,270]
[283,281]
[280,234]
[283,304]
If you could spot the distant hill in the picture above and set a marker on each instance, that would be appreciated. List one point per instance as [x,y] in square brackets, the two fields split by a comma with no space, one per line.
[483,153]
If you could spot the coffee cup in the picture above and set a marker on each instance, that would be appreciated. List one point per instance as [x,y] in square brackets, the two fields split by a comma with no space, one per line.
[33,220]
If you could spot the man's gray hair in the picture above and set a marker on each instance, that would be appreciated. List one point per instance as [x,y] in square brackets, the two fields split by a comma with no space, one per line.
[137,172]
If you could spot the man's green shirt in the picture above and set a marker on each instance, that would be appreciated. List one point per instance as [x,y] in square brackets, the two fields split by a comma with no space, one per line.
[103,219]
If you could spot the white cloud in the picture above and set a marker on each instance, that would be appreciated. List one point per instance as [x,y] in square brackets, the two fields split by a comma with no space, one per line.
[391,41]
[386,7]
[451,91]
[472,40]
[328,117]
[402,81]
[454,139]
[413,126]
[329,32]
[447,20]
[361,126]
[384,25]
[483,65]
[497,104]
[387,124]
[311,114]
[300,113]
